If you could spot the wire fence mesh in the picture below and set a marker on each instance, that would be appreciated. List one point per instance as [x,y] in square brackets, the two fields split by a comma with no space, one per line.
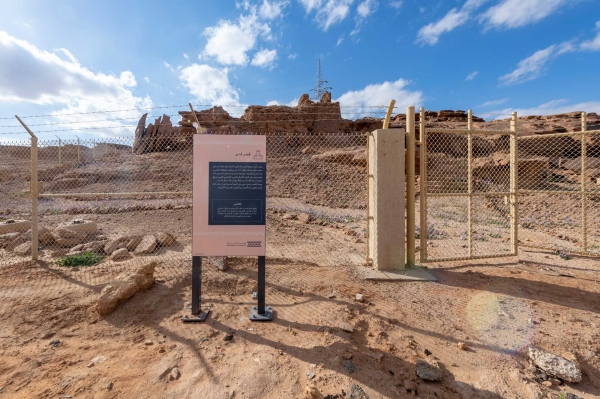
[105,205]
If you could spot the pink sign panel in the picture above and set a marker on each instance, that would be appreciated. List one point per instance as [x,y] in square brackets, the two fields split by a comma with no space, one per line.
[230,187]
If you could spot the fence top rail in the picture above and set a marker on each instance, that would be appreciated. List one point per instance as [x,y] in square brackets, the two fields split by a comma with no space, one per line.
[467,131]
[553,135]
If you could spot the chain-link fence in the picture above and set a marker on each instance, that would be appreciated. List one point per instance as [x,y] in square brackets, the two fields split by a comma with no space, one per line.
[114,203]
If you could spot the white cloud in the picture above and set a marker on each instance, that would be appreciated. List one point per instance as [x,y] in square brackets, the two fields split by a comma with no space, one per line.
[396,4]
[228,42]
[264,58]
[553,107]
[472,75]
[492,103]
[186,56]
[293,56]
[292,103]
[366,8]
[273,9]
[146,79]
[168,66]
[339,41]
[532,67]
[31,75]
[430,33]
[328,12]
[211,86]
[594,44]
[515,13]
[378,94]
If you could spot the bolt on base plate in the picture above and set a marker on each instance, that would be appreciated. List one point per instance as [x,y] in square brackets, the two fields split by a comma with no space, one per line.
[196,318]
[268,316]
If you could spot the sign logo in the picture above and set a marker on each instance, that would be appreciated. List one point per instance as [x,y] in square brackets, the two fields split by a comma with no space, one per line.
[258,155]
[254,244]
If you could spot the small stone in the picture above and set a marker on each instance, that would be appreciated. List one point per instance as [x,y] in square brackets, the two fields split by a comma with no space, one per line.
[356,392]
[110,386]
[410,385]
[48,335]
[429,370]
[310,375]
[231,394]
[547,384]
[312,392]
[350,367]
[346,327]
[148,343]
[555,365]
[462,346]
[164,239]
[573,396]
[161,350]
[427,352]
[360,297]
[555,381]
[228,337]
[305,218]
[174,374]
[331,296]
[54,343]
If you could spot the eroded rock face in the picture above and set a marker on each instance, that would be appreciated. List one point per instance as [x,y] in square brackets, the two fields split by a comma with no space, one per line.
[125,286]
[555,365]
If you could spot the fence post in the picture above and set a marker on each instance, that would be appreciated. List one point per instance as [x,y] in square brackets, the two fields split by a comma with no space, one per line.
[410,187]
[94,150]
[59,151]
[423,186]
[34,192]
[78,152]
[583,182]
[470,181]
[514,186]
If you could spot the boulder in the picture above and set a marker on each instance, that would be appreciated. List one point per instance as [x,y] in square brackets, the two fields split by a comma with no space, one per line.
[429,370]
[120,254]
[23,249]
[133,242]
[94,246]
[305,217]
[11,226]
[6,239]
[146,246]
[555,365]
[114,244]
[68,242]
[76,228]
[15,243]
[125,286]
[164,239]
[45,236]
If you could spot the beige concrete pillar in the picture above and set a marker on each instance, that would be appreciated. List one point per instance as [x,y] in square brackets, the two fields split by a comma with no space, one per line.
[386,199]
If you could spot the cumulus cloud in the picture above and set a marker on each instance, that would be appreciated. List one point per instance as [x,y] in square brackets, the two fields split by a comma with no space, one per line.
[430,33]
[472,75]
[328,12]
[211,86]
[229,42]
[516,13]
[264,58]
[378,94]
[31,75]
[533,66]
[396,4]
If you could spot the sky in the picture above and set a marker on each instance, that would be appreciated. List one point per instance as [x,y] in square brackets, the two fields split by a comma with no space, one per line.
[69,61]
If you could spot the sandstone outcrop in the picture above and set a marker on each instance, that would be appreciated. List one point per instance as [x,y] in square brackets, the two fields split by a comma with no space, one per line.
[125,286]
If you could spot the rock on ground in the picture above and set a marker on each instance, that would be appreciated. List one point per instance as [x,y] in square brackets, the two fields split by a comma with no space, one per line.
[356,392]
[125,286]
[23,249]
[305,217]
[164,239]
[312,393]
[146,246]
[220,262]
[555,365]
[429,370]
[119,254]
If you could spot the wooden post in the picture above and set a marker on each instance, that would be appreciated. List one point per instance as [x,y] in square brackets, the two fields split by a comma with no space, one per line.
[470,181]
[423,186]
[410,187]
[583,182]
[34,192]
[388,115]
[59,151]
[514,186]
[78,151]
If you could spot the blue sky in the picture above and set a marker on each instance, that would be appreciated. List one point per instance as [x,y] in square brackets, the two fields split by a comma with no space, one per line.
[494,56]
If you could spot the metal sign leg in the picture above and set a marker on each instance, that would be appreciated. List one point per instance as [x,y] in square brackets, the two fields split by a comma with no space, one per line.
[196,315]
[261,312]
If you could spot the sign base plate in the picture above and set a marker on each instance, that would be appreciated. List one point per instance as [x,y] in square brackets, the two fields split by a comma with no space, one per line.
[196,317]
[268,316]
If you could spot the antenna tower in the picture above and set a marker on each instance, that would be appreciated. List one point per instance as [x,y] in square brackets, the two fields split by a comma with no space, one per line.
[319,89]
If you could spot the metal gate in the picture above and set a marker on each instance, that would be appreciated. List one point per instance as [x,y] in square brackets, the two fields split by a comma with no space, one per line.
[468,181]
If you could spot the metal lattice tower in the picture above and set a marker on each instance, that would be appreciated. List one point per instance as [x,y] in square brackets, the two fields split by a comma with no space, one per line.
[319,89]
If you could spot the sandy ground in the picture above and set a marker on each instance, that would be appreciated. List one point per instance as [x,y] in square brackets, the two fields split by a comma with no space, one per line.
[496,307]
